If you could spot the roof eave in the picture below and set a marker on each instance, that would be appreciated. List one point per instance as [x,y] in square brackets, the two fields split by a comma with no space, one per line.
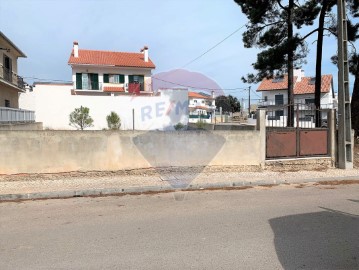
[13,45]
[96,65]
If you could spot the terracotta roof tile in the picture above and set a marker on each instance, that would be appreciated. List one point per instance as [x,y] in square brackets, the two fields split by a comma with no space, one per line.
[103,58]
[268,84]
[302,87]
[113,89]
[197,95]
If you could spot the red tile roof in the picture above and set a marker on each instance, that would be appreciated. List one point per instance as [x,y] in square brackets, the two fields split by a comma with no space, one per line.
[107,58]
[197,95]
[302,87]
[268,84]
[113,89]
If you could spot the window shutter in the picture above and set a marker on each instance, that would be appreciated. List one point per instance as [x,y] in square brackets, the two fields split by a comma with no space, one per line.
[78,81]
[105,78]
[95,81]
[122,78]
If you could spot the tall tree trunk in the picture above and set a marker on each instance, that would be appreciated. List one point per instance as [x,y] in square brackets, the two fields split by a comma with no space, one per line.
[290,119]
[318,65]
[355,104]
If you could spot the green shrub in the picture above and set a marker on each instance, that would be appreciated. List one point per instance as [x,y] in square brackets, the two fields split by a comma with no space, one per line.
[80,118]
[201,124]
[113,121]
[178,126]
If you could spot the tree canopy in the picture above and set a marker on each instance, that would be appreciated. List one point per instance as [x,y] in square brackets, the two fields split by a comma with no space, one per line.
[113,121]
[271,28]
[80,118]
[229,104]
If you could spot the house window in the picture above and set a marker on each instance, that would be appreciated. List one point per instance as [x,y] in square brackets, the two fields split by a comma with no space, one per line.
[309,101]
[278,79]
[7,68]
[195,101]
[307,118]
[113,78]
[265,98]
[87,81]
[137,79]
[279,100]
[202,101]
[7,103]
[276,115]
[312,81]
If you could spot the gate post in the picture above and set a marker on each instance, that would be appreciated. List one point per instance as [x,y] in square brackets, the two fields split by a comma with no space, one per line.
[261,126]
[332,143]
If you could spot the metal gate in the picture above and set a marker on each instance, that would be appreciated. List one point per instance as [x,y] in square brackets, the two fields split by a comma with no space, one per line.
[302,140]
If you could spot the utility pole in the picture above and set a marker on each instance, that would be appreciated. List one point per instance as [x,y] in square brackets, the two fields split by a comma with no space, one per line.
[242,107]
[345,139]
[249,101]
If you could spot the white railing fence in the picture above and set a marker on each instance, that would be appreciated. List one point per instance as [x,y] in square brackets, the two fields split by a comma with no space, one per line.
[10,115]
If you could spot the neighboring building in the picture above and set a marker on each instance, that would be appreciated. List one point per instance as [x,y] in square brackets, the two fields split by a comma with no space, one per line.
[275,96]
[105,82]
[11,84]
[201,107]
[107,72]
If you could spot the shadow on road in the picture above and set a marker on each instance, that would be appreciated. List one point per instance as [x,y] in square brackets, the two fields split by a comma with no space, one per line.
[321,240]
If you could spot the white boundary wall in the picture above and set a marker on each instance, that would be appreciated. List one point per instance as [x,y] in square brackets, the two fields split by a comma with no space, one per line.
[53,104]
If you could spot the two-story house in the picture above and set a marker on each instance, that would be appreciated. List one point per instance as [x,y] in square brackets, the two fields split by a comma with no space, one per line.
[11,84]
[201,107]
[275,95]
[107,72]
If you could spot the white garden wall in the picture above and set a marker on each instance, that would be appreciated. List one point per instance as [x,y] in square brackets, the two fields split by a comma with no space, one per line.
[53,104]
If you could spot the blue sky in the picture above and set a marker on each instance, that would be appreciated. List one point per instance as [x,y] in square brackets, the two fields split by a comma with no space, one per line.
[175,31]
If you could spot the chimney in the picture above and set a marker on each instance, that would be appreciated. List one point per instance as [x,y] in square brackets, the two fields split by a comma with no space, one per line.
[76,49]
[299,73]
[145,53]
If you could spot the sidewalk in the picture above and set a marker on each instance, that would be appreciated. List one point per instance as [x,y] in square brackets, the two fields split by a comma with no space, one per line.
[74,184]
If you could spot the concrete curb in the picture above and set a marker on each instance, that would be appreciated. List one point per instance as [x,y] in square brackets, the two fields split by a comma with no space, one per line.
[155,189]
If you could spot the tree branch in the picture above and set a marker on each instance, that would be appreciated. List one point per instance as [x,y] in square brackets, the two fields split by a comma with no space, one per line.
[280,4]
[310,33]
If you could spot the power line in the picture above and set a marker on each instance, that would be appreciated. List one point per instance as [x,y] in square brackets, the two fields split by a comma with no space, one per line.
[217,44]
[204,88]
[50,80]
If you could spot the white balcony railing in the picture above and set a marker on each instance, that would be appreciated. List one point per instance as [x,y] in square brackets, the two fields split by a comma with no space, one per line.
[10,115]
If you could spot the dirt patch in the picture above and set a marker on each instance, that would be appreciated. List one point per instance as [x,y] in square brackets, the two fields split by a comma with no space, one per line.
[219,188]
[300,186]
[337,183]
[268,186]
[135,172]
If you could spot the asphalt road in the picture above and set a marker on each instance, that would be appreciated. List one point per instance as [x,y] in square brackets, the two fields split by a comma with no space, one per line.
[260,228]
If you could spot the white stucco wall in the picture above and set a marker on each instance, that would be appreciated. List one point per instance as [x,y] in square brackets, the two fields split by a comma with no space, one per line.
[54,103]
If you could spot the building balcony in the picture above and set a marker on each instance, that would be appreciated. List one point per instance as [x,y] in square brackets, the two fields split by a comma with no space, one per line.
[10,78]
[10,115]
[130,88]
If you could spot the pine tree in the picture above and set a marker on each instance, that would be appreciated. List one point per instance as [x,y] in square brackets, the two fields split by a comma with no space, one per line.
[271,27]
[80,118]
